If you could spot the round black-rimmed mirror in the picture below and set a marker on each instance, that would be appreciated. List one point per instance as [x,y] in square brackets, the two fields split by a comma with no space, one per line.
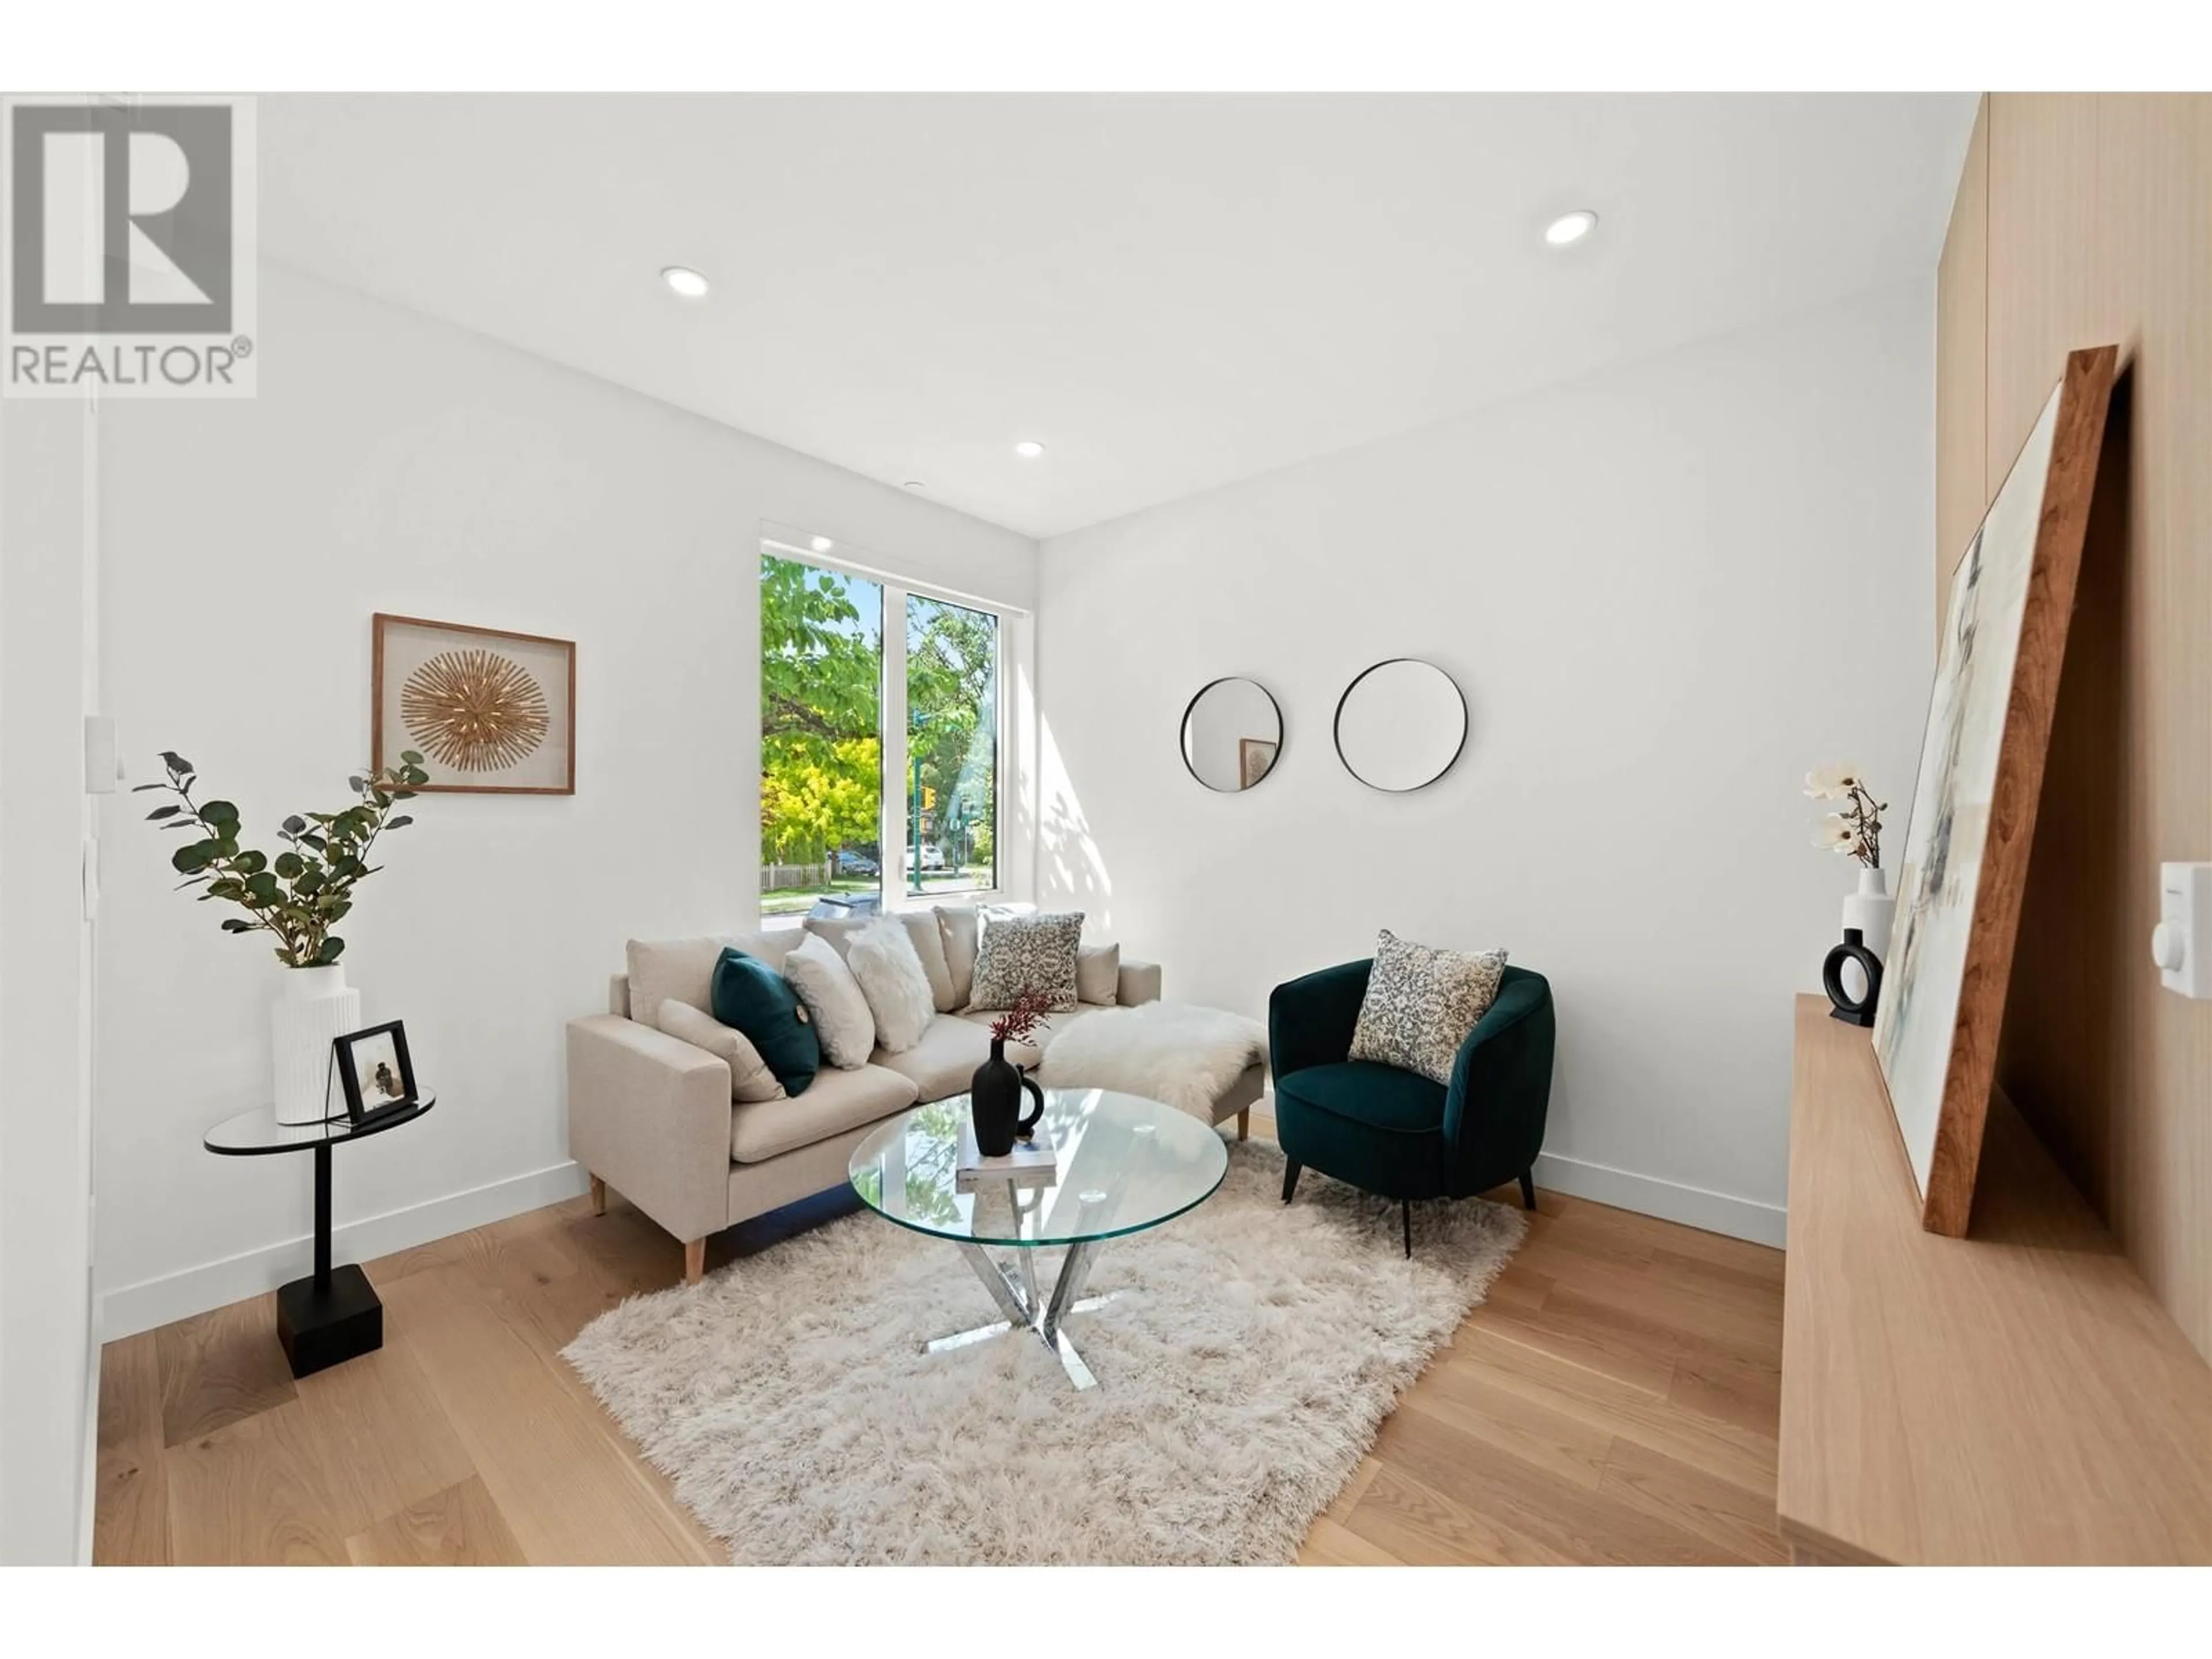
[1232,734]
[1400,725]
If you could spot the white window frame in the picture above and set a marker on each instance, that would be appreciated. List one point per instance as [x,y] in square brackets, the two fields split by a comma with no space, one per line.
[896,830]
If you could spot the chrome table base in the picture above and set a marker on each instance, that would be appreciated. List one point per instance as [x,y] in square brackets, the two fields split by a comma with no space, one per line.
[1024,1309]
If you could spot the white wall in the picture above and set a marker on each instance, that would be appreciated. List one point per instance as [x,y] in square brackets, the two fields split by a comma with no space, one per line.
[1668,590]
[47,664]
[391,463]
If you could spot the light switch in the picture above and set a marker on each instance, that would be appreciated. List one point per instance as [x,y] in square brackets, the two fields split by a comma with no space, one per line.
[2179,943]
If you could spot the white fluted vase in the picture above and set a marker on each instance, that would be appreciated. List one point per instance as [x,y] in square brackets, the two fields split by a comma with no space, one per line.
[1873,911]
[316,1008]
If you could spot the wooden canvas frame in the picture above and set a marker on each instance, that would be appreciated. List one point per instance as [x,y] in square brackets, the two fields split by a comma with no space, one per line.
[2081,399]
[1256,758]
[379,759]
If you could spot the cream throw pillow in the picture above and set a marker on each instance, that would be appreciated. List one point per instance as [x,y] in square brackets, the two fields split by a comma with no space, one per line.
[1422,1003]
[1099,973]
[842,1020]
[883,961]
[750,1077]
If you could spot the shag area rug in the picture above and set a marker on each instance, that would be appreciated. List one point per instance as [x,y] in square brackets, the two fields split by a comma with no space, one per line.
[1243,1367]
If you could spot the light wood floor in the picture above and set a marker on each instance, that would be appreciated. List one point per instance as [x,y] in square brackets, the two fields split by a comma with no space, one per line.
[1614,1401]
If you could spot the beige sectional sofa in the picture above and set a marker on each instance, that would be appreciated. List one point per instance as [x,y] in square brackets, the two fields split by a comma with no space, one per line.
[651,1116]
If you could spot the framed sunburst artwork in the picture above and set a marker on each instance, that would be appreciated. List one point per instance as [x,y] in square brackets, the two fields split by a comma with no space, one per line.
[491,712]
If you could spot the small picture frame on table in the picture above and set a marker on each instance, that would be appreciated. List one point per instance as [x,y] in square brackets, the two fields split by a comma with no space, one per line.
[375,1070]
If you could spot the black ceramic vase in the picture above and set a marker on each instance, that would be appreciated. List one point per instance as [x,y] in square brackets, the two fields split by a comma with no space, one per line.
[994,1098]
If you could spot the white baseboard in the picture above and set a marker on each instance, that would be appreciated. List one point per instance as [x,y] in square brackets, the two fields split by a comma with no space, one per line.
[1693,1206]
[133,1308]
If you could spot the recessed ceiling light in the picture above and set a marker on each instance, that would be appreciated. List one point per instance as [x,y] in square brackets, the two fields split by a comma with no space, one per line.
[915,483]
[685,281]
[821,544]
[1571,228]
[1029,449]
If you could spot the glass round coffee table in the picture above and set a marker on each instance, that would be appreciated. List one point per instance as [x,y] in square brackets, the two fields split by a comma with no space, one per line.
[1124,1164]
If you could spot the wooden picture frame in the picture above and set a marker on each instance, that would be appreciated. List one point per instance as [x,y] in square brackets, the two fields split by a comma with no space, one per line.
[421,698]
[1256,758]
[1974,805]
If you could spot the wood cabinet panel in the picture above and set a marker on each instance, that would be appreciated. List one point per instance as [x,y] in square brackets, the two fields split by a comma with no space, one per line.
[2098,228]
[2042,256]
[1962,292]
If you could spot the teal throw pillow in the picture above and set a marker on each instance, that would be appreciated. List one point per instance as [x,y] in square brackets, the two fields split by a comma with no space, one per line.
[753,997]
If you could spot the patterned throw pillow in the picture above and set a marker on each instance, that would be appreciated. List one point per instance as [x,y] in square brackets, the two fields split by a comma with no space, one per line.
[1027,953]
[1421,1002]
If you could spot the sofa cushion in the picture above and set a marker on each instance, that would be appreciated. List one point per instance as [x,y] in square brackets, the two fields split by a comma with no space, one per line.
[1099,973]
[749,1076]
[960,925]
[922,929]
[753,997]
[944,1059]
[833,998]
[1027,953]
[839,932]
[684,969]
[838,1101]
[1029,1053]
[924,933]
[1378,1127]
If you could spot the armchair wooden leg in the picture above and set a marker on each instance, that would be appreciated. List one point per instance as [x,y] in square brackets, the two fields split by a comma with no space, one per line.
[599,1196]
[1405,1215]
[1527,1189]
[695,1260]
[1291,1167]
[1244,1124]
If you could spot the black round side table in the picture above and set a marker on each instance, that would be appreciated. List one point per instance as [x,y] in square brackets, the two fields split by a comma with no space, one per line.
[330,1315]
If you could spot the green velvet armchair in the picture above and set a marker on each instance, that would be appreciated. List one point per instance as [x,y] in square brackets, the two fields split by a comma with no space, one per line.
[1398,1134]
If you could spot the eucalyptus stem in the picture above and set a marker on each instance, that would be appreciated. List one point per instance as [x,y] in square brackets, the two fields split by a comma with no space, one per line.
[306,890]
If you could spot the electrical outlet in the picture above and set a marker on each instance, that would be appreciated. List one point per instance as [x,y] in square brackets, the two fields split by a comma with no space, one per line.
[2179,944]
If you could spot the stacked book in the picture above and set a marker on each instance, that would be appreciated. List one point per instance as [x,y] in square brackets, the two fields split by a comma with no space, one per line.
[1031,1164]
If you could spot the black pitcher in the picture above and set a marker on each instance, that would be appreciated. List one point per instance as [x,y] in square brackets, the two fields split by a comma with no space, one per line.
[994,1097]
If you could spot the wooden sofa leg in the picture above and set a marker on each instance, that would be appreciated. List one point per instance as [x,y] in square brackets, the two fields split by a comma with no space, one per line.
[599,1196]
[1244,1124]
[695,1260]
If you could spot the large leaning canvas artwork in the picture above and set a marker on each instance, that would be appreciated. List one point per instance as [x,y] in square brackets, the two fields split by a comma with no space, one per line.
[1974,808]
[491,712]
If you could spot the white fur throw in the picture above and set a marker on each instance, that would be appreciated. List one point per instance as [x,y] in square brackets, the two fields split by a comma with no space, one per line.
[1170,1051]
[882,959]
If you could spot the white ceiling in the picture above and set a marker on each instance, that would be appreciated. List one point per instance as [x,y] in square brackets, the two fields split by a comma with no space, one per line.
[1171,291]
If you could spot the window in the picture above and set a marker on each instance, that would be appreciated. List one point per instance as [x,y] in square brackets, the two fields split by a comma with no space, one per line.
[953,747]
[822,762]
[879,755]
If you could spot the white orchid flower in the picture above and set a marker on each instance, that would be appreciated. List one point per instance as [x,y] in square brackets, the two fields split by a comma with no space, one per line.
[1835,834]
